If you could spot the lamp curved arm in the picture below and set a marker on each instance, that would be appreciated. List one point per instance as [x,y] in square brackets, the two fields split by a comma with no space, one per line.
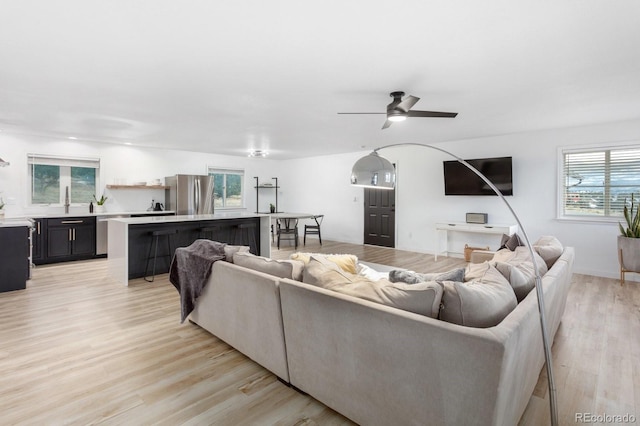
[538,279]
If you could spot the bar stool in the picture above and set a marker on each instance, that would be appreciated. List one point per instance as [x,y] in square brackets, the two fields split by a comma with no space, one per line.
[247,234]
[155,237]
[209,232]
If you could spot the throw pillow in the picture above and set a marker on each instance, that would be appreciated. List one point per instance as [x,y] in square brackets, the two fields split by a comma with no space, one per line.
[521,277]
[549,248]
[510,242]
[319,271]
[520,255]
[279,268]
[347,262]
[370,273]
[484,301]
[411,277]
[423,298]
[229,251]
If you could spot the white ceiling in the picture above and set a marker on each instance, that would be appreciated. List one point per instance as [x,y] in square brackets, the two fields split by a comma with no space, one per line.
[227,76]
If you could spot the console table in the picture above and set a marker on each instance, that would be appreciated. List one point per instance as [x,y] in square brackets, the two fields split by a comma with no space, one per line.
[443,229]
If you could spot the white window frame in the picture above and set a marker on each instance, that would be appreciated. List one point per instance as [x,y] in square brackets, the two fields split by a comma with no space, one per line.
[65,163]
[230,171]
[575,149]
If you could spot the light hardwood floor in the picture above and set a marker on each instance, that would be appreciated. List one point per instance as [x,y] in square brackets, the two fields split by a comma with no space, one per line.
[76,348]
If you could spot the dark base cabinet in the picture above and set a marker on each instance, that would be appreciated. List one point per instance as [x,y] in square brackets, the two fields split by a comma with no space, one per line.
[63,239]
[14,258]
[225,231]
[37,240]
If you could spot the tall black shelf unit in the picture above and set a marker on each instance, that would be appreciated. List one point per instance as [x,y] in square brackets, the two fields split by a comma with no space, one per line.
[258,187]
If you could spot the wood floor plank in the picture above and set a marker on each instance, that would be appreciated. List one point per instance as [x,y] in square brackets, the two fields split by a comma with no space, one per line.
[77,348]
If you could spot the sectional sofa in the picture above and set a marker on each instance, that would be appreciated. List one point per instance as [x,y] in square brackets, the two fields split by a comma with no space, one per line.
[381,365]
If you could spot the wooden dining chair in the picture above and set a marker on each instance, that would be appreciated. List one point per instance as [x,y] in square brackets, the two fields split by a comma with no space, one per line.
[287,229]
[313,229]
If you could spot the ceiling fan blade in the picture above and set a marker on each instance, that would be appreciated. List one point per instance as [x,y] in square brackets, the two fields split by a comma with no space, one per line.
[407,103]
[432,114]
[362,113]
[386,124]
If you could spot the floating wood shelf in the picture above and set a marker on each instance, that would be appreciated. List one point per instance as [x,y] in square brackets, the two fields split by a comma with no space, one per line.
[137,187]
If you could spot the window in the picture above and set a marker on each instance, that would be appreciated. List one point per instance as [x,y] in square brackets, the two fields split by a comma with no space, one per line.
[596,183]
[50,177]
[227,188]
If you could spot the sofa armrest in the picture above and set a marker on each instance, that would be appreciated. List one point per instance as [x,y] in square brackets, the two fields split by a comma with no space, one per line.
[479,256]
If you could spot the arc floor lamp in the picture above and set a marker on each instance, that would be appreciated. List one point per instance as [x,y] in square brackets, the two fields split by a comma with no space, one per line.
[374,171]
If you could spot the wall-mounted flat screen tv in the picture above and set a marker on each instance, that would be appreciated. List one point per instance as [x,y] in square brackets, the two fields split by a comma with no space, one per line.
[459,180]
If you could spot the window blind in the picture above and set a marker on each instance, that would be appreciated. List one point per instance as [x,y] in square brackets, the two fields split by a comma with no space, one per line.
[52,160]
[599,182]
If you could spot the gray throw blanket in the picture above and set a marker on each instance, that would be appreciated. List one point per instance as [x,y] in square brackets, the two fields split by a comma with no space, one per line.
[190,270]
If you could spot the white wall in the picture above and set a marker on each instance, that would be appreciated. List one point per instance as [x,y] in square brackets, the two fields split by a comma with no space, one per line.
[321,185]
[116,162]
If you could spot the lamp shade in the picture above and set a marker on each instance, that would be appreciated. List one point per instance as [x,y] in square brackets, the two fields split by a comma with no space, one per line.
[373,171]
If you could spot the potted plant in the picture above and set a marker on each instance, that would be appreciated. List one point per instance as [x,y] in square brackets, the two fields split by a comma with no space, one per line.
[629,240]
[100,203]
[272,208]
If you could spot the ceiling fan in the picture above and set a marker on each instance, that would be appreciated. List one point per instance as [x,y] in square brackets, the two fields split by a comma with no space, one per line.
[399,110]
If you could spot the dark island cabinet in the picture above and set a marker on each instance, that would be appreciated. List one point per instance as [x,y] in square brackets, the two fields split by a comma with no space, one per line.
[185,233]
[69,238]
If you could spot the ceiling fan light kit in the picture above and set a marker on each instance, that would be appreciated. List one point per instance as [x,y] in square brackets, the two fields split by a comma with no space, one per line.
[399,109]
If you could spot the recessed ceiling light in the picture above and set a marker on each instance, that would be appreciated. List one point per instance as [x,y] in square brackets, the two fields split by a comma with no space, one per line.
[73,138]
[258,153]
[128,143]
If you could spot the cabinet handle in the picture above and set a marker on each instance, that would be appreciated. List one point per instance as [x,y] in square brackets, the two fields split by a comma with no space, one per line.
[74,234]
[66,222]
[38,227]
[70,239]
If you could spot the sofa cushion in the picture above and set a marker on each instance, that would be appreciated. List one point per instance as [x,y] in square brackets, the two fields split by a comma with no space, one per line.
[549,248]
[423,298]
[278,268]
[483,301]
[347,262]
[411,277]
[230,250]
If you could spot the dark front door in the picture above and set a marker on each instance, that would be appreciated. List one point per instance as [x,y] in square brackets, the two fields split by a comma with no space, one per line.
[380,217]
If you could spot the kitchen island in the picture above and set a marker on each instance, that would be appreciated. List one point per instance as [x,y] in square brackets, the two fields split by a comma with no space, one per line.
[130,239]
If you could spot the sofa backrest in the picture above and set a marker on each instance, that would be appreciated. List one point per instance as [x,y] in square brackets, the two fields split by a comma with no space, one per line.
[242,307]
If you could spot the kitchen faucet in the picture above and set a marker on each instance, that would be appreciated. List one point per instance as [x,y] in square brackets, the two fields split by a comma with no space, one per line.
[66,200]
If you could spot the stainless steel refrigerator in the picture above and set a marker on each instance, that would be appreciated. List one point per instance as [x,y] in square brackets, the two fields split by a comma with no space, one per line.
[189,194]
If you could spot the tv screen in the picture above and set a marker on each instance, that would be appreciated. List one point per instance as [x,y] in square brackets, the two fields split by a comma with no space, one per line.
[460,180]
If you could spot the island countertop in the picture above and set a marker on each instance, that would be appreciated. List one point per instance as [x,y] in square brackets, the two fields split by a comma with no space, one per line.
[130,238]
[186,218]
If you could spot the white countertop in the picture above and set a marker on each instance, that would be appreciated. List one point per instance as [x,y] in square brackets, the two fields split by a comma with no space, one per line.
[187,218]
[11,222]
[87,214]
